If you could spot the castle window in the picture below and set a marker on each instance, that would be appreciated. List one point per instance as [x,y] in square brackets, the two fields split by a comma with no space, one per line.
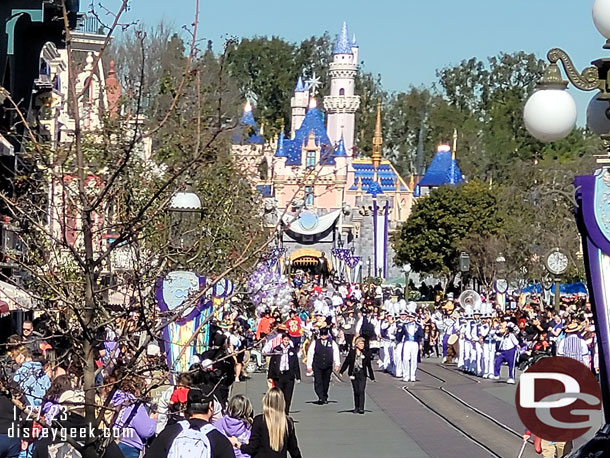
[263,170]
[309,195]
[311,160]
[341,91]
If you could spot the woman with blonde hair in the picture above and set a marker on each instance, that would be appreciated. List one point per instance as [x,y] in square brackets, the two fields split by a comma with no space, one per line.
[273,434]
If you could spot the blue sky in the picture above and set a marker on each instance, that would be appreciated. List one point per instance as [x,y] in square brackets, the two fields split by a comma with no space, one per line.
[404,40]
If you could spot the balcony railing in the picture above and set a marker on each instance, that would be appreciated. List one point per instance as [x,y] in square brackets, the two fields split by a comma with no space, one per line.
[90,24]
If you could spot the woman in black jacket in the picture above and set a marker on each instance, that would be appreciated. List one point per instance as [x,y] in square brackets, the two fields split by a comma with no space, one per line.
[358,363]
[273,434]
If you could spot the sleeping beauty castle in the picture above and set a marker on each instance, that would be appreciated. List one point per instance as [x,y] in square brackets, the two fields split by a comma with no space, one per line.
[324,200]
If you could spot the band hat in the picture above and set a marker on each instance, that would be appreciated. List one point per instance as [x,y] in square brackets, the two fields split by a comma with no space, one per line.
[412,309]
[573,327]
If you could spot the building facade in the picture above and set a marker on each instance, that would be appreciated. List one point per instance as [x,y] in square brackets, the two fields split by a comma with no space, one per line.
[321,197]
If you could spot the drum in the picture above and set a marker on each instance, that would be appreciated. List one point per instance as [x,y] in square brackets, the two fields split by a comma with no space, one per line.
[453,338]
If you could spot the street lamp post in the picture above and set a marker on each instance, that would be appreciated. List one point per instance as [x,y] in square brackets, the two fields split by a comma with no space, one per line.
[464,268]
[549,115]
[184,219]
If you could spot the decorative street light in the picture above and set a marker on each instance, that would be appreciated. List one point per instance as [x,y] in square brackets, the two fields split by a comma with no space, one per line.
[184,219]
[550,114]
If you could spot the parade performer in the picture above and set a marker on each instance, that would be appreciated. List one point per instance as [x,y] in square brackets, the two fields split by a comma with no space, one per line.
[476,338]
[347,324]
[284,369]
[322,357]
[411,334]
[507,352]
[464,339]
[367,327]
[488,333]
[398,367]
[448,326]
[359,367]
[388,337]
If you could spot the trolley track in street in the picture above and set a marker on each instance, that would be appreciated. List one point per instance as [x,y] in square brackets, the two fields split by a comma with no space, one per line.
[488,433]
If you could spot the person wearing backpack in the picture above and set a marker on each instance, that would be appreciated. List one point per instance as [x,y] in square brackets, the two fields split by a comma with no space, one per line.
[195,437]
[273,433]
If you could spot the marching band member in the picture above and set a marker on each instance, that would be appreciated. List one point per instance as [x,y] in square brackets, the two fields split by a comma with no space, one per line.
[388,336]
[411,334]
[507,352]
[464,344]
[447,327]
[398,368]
[477,342]
[391,306]
[488,334]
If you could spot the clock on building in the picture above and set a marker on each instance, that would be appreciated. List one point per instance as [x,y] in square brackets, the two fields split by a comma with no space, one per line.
[556,262]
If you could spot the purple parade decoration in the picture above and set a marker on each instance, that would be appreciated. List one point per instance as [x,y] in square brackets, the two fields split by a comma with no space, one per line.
[171,292]
[353,261]
[593,219]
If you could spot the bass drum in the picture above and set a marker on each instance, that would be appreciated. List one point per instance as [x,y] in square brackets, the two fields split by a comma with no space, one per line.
[453,338]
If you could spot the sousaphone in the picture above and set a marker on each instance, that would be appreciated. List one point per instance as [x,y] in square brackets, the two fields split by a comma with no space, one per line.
[470,298]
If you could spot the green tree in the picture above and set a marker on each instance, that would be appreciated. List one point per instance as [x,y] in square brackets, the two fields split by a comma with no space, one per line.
[267,69]
[370,90]
[430,239]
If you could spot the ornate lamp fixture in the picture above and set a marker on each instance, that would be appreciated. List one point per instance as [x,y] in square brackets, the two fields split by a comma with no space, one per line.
[550,113]
[184,219]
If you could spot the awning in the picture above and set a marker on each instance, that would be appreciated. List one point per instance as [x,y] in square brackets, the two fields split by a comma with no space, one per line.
[309,223]
[16,298]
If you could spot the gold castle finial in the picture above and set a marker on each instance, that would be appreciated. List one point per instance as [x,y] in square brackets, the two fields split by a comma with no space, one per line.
[377,140]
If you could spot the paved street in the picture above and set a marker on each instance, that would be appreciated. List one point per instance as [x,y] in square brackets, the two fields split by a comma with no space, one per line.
[397,425]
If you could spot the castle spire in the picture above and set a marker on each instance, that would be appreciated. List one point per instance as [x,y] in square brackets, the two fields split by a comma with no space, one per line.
[300,85]
[377,140]
[343,44]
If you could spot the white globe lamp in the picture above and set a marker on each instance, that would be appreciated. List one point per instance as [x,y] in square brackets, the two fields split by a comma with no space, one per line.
[601,17]
[184,219]
[550,114]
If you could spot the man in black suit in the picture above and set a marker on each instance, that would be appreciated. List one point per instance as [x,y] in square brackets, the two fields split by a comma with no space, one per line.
[284,369]
[322,357]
